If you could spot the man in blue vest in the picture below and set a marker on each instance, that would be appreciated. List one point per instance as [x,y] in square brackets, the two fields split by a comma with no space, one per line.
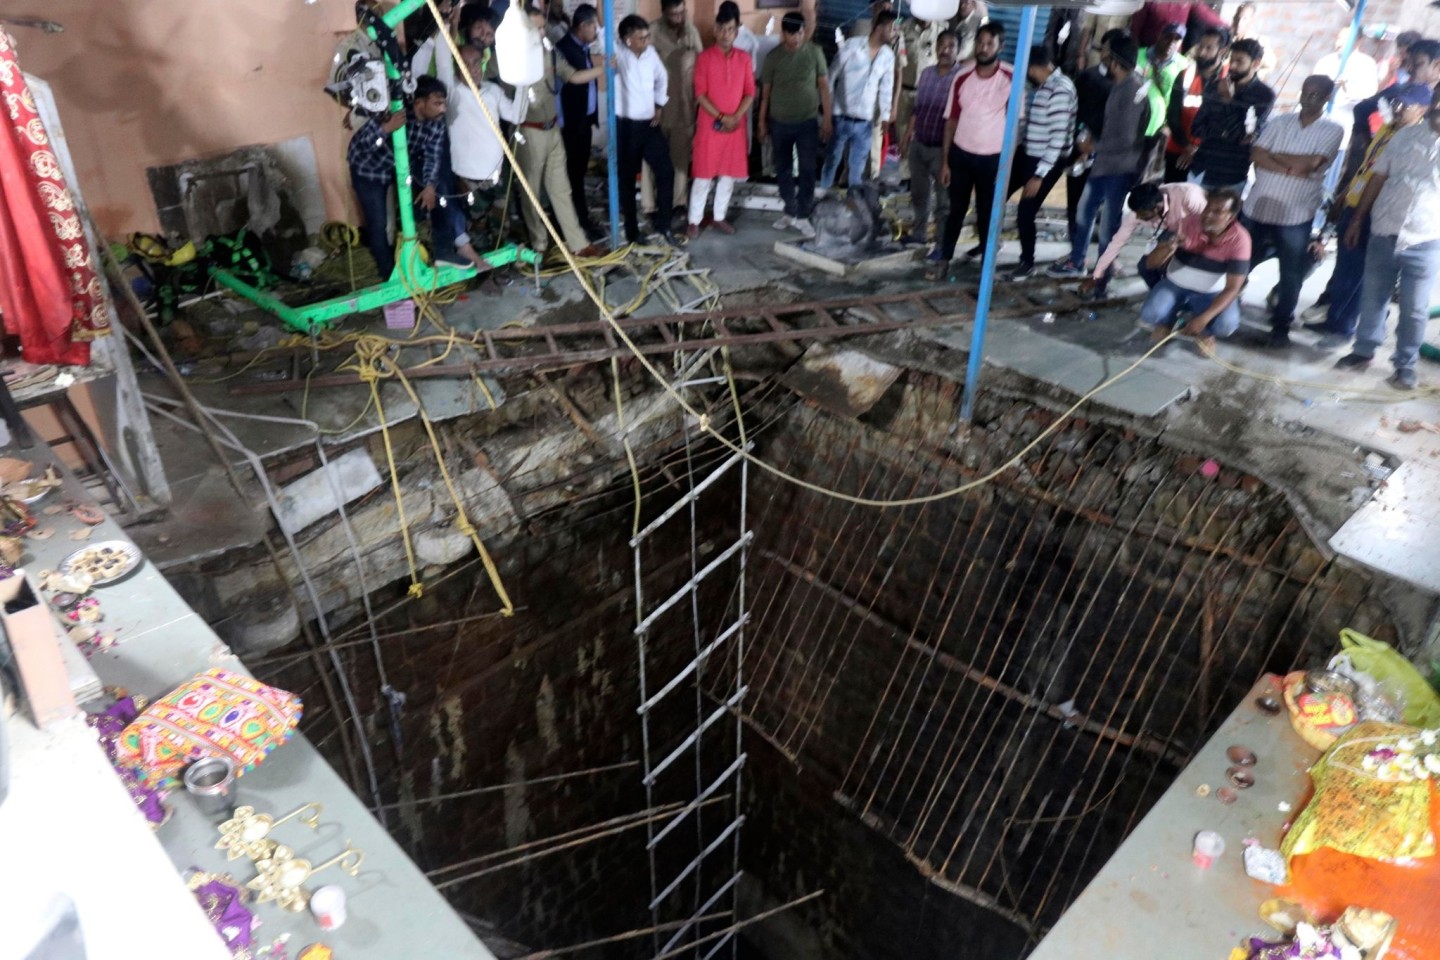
[578,104]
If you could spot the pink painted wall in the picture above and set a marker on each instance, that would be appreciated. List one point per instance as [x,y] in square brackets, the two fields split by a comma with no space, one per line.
[154,83]
[143,84]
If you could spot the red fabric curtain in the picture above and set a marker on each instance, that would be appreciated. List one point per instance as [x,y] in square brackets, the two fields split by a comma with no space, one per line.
[49,293]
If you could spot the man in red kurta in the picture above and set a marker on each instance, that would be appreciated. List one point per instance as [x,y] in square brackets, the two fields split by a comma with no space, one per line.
[724,91]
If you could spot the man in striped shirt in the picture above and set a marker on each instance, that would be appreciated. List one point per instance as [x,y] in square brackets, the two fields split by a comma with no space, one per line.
[1205,264]
[1291,156]
[923,142]
[1049,138]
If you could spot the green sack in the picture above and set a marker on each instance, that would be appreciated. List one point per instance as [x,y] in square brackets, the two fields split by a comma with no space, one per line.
[1422,704]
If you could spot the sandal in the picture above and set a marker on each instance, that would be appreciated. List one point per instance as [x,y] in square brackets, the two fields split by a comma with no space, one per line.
[937,271]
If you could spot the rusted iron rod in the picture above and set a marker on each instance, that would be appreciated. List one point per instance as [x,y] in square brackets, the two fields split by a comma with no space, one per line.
[1140,742]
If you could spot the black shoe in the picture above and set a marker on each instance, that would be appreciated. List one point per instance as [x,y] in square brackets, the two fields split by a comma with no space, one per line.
[1278,340]
[1021,271]
[975,252]
[1320,326]
[1353,361]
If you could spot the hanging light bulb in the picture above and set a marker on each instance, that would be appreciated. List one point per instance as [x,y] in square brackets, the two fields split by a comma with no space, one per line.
[519,52]
[934,11]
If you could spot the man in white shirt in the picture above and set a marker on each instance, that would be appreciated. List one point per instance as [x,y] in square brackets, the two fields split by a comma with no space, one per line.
[1290,158]
[641,90]
[1402,201]
[475,152]
[862,81]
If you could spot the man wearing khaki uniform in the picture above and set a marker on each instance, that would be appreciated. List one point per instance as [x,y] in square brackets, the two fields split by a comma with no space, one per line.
[677,42]
[541,154]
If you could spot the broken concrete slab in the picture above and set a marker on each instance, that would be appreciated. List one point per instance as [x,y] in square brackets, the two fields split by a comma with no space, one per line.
[353,474]
[805,254]
[845,382]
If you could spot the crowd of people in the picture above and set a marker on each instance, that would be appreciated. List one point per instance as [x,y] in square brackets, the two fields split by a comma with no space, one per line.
[1171,118]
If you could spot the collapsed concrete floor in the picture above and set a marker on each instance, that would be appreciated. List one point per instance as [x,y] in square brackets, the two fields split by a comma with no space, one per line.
[957,709]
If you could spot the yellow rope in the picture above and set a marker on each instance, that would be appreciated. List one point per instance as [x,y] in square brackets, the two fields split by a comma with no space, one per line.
[367,368]
[372,364]
[703,418]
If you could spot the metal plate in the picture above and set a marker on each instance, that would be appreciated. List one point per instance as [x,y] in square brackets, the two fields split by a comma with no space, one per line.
[128,555]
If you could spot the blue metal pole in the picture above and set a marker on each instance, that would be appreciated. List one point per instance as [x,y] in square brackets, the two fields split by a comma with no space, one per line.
[1332,176]
[997,217]
[612,149]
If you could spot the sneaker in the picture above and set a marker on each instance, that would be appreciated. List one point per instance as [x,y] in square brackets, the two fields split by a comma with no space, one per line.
[1064,270]
[1333,341]
[1278,340]
[1320,327]
[1315,313]
[974,253]
[805,228]
[1021,271]
[1353,361]
[1404,379]
[784,223]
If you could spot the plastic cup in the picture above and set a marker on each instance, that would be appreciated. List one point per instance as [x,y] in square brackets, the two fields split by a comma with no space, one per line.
[328,906]
[1209,845]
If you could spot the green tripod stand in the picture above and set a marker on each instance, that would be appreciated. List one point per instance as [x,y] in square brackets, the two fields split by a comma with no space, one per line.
[412,275]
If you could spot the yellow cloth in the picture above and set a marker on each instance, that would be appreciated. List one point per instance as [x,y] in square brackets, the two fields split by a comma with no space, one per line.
[1355,812]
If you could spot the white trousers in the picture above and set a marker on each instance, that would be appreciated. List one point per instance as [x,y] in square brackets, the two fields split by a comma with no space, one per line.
[700,192]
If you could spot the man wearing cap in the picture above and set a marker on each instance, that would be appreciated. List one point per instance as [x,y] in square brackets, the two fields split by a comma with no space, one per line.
[1342,312]
[1402,201]
[1291,156]
[1234,110]
[1119,153]
[1161,63]
[578,74]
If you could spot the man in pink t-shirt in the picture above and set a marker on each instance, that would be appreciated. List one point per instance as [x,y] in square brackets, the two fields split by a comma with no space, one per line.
[974,131]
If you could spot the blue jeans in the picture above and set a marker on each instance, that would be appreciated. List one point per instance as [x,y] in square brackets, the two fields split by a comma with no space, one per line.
[1103,197]
[1166,301]
[1290,246]
[1416,267]
[795,146]
[851,139]
[374,199]
[447,223]
[1347,279]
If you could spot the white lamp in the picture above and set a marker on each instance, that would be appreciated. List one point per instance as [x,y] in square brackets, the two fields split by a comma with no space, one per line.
[934,11]
[519,48]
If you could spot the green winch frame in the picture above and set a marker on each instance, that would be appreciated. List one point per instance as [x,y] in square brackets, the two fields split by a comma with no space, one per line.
[412,275]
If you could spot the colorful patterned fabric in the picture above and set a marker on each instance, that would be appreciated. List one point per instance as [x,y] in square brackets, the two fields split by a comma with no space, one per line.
[49,293]
[217,714]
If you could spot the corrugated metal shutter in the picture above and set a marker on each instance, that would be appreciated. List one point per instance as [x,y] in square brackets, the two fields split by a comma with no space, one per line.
[1010,17]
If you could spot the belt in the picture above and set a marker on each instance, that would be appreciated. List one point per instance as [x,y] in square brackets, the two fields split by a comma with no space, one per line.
[909,86]
[841,116]
[539,126]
